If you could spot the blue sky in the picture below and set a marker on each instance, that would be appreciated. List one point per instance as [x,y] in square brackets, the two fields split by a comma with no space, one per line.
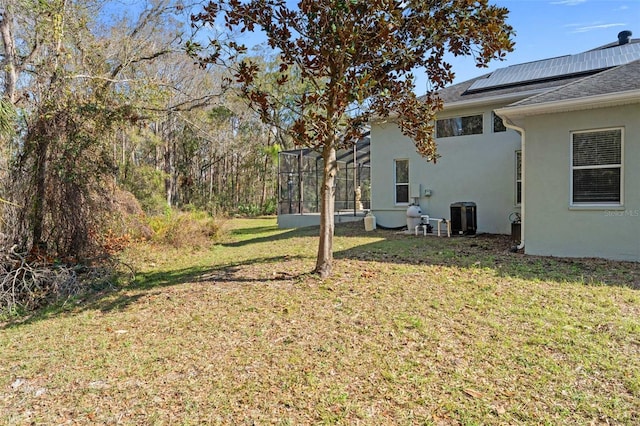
[544,29]
[550,28]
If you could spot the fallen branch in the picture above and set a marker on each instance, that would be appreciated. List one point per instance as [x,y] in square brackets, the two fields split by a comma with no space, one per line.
[27,284]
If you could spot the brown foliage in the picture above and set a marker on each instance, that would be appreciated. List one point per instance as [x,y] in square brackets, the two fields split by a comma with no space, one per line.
[127,219]
[186,229]
[358,58]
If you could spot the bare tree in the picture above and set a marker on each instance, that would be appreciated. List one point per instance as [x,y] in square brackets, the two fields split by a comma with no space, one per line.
[76,82]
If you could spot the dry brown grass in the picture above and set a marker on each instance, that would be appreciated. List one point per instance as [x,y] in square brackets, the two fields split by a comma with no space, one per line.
[409,330]
[185,229]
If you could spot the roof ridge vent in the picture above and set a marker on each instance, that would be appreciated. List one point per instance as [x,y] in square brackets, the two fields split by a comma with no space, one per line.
[624,37]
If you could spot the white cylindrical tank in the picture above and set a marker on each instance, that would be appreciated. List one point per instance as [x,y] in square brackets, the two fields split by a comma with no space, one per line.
[369,222]
[413,217]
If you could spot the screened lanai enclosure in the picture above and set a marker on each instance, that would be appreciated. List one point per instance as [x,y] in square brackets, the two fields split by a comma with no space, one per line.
[300,180]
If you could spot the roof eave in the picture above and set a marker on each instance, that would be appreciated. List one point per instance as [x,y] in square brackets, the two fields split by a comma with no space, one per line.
[508,97]
[471,103]
[588,102]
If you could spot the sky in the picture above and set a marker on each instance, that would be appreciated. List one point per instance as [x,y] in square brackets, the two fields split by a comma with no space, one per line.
[544,29]
[549,28]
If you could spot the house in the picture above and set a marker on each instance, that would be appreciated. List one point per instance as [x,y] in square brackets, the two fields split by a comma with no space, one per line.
[581,150]
[556,141]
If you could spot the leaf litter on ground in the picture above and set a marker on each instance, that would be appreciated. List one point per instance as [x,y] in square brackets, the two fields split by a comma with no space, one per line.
[408,330]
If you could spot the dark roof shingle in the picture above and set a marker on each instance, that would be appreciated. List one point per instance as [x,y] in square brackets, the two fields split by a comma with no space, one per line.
[622,78]
[569,85]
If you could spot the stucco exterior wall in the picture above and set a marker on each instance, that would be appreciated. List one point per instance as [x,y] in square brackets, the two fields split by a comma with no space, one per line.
[477,168]
[552,226]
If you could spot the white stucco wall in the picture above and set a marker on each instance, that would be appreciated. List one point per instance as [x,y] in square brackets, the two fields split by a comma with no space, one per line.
[554,228]
[478,168]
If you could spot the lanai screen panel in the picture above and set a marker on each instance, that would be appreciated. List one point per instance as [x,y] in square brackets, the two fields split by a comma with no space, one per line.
[300,179]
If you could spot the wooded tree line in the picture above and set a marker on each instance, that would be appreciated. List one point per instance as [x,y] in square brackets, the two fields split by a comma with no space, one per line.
[99,98]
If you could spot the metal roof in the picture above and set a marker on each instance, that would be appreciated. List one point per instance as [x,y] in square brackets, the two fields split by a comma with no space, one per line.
[360,151]
[581,63]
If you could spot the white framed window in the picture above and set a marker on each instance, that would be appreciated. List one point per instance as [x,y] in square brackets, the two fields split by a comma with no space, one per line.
[518,187]
[459,126]
[401,174]
[596,167]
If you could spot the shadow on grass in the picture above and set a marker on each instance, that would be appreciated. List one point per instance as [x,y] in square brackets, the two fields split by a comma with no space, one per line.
[219,274]
[253,231]
[120,298]
[493,252]
[484,251]
[284,235]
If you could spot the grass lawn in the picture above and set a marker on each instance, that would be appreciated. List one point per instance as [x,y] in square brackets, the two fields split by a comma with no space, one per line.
[409,330]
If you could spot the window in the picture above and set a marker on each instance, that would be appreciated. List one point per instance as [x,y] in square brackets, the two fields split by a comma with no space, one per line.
[518,177]
[596,167]
[402,181]
[459,126]
[498,124]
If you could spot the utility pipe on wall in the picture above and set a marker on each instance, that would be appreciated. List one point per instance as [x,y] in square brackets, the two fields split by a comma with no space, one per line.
[511,125]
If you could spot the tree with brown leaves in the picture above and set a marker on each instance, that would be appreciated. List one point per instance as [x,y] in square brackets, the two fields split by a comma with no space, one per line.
[356,59]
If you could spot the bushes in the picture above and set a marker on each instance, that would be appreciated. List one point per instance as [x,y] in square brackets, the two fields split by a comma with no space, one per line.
[253,210]
[185,229]
[177,228]
[270,207]
[29,281]
[147,184]
[249,210]
[126,220]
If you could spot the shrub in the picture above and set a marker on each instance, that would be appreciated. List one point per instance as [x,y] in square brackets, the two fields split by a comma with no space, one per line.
[147,185]
[249,210]
[185,229]
[127,217]
[270,207]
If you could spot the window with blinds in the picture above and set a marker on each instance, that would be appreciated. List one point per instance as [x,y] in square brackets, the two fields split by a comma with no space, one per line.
[596,167]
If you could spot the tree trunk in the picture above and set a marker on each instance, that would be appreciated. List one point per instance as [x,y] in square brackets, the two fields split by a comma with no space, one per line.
[168,181]
[40,180]
[265,178]
[324,263]
[237,188]
[9,60]
[210,179]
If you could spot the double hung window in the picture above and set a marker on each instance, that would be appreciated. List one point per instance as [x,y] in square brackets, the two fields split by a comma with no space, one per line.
[401,181]
[596,167]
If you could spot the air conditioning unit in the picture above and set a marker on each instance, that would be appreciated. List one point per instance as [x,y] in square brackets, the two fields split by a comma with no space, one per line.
[463,218]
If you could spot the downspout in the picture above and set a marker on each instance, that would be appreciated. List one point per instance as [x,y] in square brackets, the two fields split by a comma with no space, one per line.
[511,125]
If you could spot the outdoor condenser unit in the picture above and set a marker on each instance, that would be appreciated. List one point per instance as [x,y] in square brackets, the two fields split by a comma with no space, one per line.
[463,218]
